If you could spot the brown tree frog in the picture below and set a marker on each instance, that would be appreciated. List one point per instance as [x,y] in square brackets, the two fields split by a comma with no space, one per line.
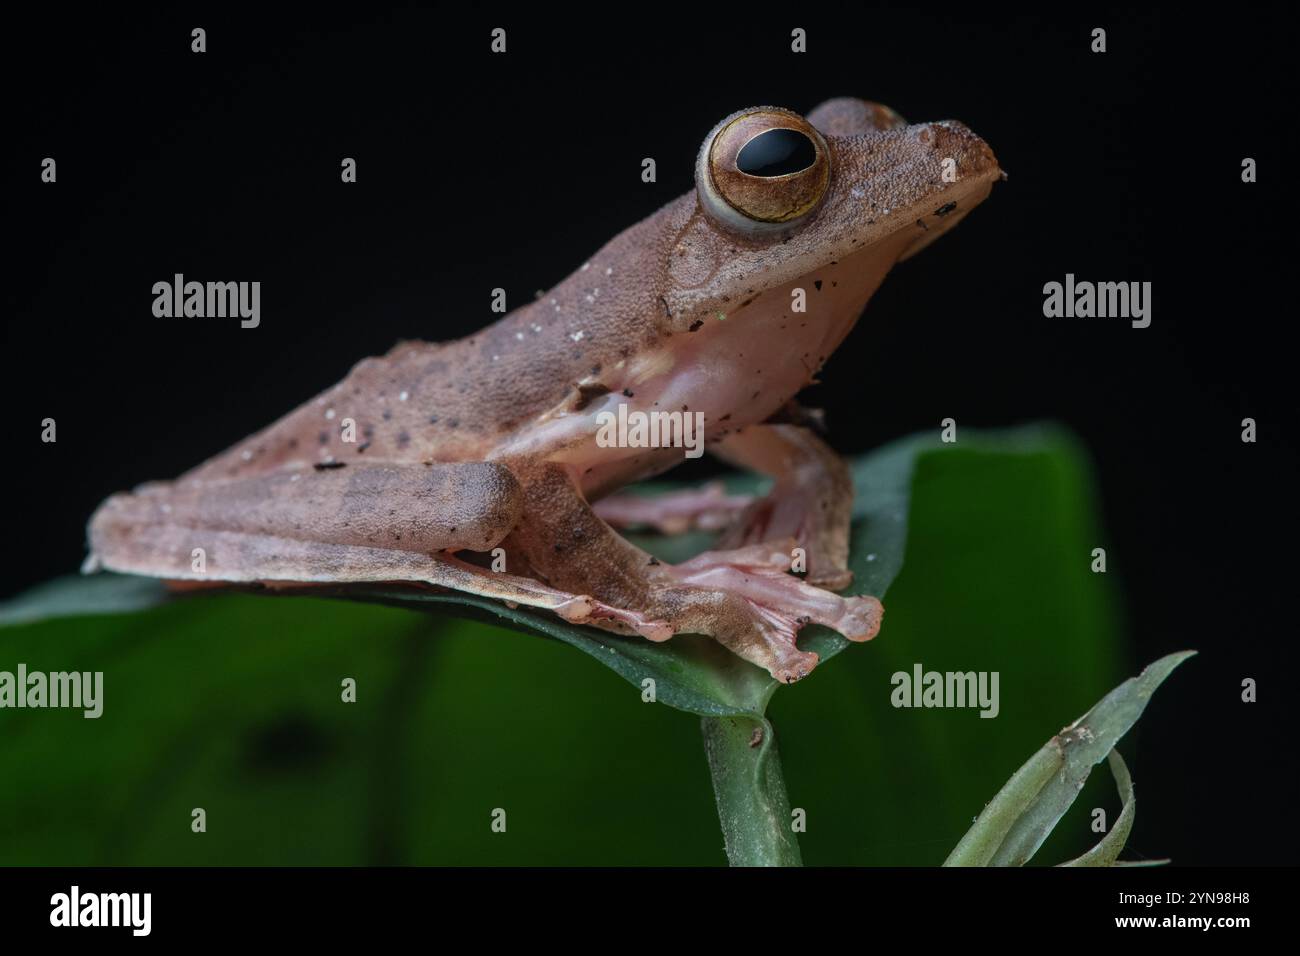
[722,306]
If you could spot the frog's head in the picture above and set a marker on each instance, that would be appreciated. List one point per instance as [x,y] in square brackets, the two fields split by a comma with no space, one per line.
[779,197]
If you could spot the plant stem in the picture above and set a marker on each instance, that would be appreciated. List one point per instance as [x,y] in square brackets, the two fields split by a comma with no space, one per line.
[752,804]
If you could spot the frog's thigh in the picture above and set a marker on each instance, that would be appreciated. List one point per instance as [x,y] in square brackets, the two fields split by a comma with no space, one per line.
[811,500]
[243,524]
[319,529]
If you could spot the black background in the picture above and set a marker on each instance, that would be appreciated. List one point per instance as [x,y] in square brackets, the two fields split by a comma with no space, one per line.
[477,171]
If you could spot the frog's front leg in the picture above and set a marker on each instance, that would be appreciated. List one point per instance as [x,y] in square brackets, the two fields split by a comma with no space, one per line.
[811,499]
[745,597]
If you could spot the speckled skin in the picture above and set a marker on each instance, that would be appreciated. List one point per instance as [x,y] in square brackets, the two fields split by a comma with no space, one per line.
[489,440]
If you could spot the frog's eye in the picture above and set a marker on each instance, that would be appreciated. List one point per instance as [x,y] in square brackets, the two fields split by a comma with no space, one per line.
[762,170]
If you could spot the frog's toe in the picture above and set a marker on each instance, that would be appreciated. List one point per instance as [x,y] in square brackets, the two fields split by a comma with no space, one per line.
[777,650]
[758,573]
[755,608]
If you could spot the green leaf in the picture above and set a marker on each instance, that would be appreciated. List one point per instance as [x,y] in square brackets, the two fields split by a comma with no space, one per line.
[230,701]
[72,596]
[1019,818]
[1108,849]
[691,672]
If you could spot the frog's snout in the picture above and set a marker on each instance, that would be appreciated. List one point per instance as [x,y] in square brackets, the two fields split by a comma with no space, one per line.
[954,139]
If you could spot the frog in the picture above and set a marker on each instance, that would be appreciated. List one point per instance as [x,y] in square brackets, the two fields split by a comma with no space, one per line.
[473,466]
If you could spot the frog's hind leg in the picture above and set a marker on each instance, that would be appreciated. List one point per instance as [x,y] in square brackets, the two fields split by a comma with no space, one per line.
[303,527]
[272,517]
[708,508]
[289,565]
[811,499]
[744,598]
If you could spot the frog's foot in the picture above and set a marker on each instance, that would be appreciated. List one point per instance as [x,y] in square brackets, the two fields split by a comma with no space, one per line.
[811,500]
[709,508]
[764,607]
[744,598]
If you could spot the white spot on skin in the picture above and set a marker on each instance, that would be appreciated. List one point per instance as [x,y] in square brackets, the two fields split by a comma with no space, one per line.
[871,557]
[295,477]
[519,336]
[591,298]
[246,455]
[577,336]
[166,508]
[329,413]
[536,328]
[403,396]
[609,271]
[586,266]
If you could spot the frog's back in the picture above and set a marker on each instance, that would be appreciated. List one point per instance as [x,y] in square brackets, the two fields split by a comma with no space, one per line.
[457,401]
[422,401]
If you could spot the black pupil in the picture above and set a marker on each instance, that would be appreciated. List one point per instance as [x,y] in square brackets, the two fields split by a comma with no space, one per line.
[777,152]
